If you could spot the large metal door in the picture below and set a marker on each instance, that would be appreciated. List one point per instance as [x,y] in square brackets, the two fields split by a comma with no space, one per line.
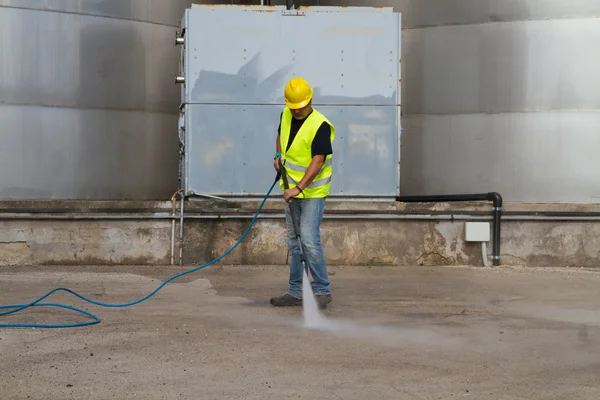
[237,60]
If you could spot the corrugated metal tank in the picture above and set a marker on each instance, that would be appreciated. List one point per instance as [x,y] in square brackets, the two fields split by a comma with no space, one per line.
[88,100]
[500,96]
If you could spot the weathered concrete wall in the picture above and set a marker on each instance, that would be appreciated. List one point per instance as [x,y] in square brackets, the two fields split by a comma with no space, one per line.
[401,243]
[84,242]
[346,241]
[551,243]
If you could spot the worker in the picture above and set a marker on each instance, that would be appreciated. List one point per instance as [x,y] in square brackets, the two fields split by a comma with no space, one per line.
[304,147]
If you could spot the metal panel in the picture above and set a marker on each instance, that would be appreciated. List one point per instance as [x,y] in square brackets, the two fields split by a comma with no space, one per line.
[349,57]
[156,11]
[67,153]
[231,147]
[500,95]
[69,60]
[234,98]
[522,66]
[524,156]
[431,13]
[520,95]
[89,105]
[428,13]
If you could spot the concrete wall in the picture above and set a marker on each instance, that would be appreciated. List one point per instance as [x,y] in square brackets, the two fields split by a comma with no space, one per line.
[373,241]
[84,242]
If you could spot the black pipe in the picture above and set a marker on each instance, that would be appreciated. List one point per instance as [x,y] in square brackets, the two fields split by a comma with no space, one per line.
[193,210]
[494,197]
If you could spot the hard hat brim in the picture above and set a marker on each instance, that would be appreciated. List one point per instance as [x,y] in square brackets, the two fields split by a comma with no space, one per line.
[295,106]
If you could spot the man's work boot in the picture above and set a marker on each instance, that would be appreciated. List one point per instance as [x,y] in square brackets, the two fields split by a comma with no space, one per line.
[323,300]
[286,301]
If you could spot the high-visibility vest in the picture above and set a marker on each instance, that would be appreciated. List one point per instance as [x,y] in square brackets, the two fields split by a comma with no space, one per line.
[297,159]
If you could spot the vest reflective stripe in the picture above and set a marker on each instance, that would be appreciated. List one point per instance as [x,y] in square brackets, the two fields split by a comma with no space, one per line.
[299,156]
[300,168]
[320,182]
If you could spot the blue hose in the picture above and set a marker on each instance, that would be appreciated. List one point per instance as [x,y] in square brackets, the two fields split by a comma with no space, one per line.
[14,308]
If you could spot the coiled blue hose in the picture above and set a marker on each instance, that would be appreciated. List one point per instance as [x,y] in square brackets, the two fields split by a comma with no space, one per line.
[14,308]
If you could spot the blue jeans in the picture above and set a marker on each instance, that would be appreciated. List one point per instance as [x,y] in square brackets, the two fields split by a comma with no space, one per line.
[308,214]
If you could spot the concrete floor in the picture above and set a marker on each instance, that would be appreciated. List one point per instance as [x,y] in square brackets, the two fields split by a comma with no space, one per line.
[403,333]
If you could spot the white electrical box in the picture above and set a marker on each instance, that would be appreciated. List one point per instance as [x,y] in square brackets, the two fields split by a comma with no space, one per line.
[477,231]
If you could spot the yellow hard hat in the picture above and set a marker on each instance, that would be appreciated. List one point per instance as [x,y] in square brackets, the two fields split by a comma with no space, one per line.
[297,93]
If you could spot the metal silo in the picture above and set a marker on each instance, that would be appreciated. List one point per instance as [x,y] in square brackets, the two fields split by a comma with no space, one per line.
[500,96]
[88,100]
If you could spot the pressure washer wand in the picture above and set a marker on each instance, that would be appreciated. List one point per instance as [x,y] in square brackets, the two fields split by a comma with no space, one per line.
[286,185]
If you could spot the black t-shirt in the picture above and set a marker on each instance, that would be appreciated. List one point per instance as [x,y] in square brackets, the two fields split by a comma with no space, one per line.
[321,144]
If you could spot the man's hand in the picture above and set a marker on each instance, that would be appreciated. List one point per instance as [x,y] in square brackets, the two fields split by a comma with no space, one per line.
[276,164]
[289,193]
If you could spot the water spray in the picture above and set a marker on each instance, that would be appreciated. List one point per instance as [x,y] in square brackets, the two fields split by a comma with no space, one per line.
[312,317]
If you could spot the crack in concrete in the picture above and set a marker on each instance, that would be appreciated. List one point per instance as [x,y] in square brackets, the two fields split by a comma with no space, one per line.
[434,253]
[524,261]
[431,242]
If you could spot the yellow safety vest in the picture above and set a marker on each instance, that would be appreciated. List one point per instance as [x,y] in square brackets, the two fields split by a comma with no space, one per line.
[297,159]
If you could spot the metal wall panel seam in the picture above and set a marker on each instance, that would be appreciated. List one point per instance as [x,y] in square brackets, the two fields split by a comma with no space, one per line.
[430,27]
[87,14]
[125,110]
